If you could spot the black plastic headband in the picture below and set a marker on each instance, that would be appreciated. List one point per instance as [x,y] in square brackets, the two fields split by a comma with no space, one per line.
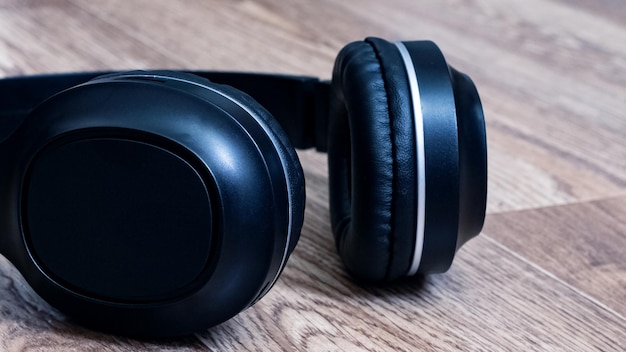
[300,104]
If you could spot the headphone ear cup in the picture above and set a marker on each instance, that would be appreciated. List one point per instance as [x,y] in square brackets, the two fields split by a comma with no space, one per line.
[284,148]
[407,160]
[154,162]
[372,161]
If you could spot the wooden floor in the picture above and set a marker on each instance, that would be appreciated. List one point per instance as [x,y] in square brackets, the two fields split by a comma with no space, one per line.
[548,272]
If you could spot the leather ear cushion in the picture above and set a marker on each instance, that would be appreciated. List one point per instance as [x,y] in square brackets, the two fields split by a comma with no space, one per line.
[372,161]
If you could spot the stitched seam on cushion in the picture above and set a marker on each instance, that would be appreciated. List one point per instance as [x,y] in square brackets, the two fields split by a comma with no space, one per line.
[393,162]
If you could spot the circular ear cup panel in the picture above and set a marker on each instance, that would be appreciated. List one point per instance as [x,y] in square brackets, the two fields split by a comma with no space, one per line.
[255,182]
[291,166]
[286,152]
[372,161]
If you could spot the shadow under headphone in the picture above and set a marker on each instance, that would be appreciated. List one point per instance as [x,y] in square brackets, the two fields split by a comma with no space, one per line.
[162,203]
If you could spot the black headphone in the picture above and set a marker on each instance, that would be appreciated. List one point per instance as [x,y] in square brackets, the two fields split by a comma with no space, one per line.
[163,203]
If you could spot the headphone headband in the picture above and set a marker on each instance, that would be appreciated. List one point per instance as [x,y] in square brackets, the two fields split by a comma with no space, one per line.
[298,103]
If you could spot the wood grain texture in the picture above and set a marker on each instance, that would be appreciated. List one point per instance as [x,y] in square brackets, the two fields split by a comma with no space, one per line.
[549,271]
[582,244]
[27,323]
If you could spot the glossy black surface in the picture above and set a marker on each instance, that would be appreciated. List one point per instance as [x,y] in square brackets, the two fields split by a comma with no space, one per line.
[207,142]
[117,219]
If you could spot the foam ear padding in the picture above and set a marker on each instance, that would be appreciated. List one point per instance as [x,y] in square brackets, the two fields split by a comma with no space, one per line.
[372,163]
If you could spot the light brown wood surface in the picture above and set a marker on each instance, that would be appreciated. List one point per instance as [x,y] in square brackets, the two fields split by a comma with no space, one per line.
[547,273]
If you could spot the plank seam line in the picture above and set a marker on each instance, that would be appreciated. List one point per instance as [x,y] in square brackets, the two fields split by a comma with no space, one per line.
[551,275]
[618,195]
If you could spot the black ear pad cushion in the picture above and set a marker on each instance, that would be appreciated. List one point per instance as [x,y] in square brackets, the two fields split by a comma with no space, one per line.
[372,161]
[287,154]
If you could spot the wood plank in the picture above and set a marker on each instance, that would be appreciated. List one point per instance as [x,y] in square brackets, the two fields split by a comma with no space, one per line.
[552,75]
[34,41]
[268,42]
[474,307]
[582,244]
[491,299]
[553,94]
[535,86]
[613,10]
[29,323]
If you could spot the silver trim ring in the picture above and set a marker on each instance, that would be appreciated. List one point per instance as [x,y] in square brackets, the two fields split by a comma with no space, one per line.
[418,117]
